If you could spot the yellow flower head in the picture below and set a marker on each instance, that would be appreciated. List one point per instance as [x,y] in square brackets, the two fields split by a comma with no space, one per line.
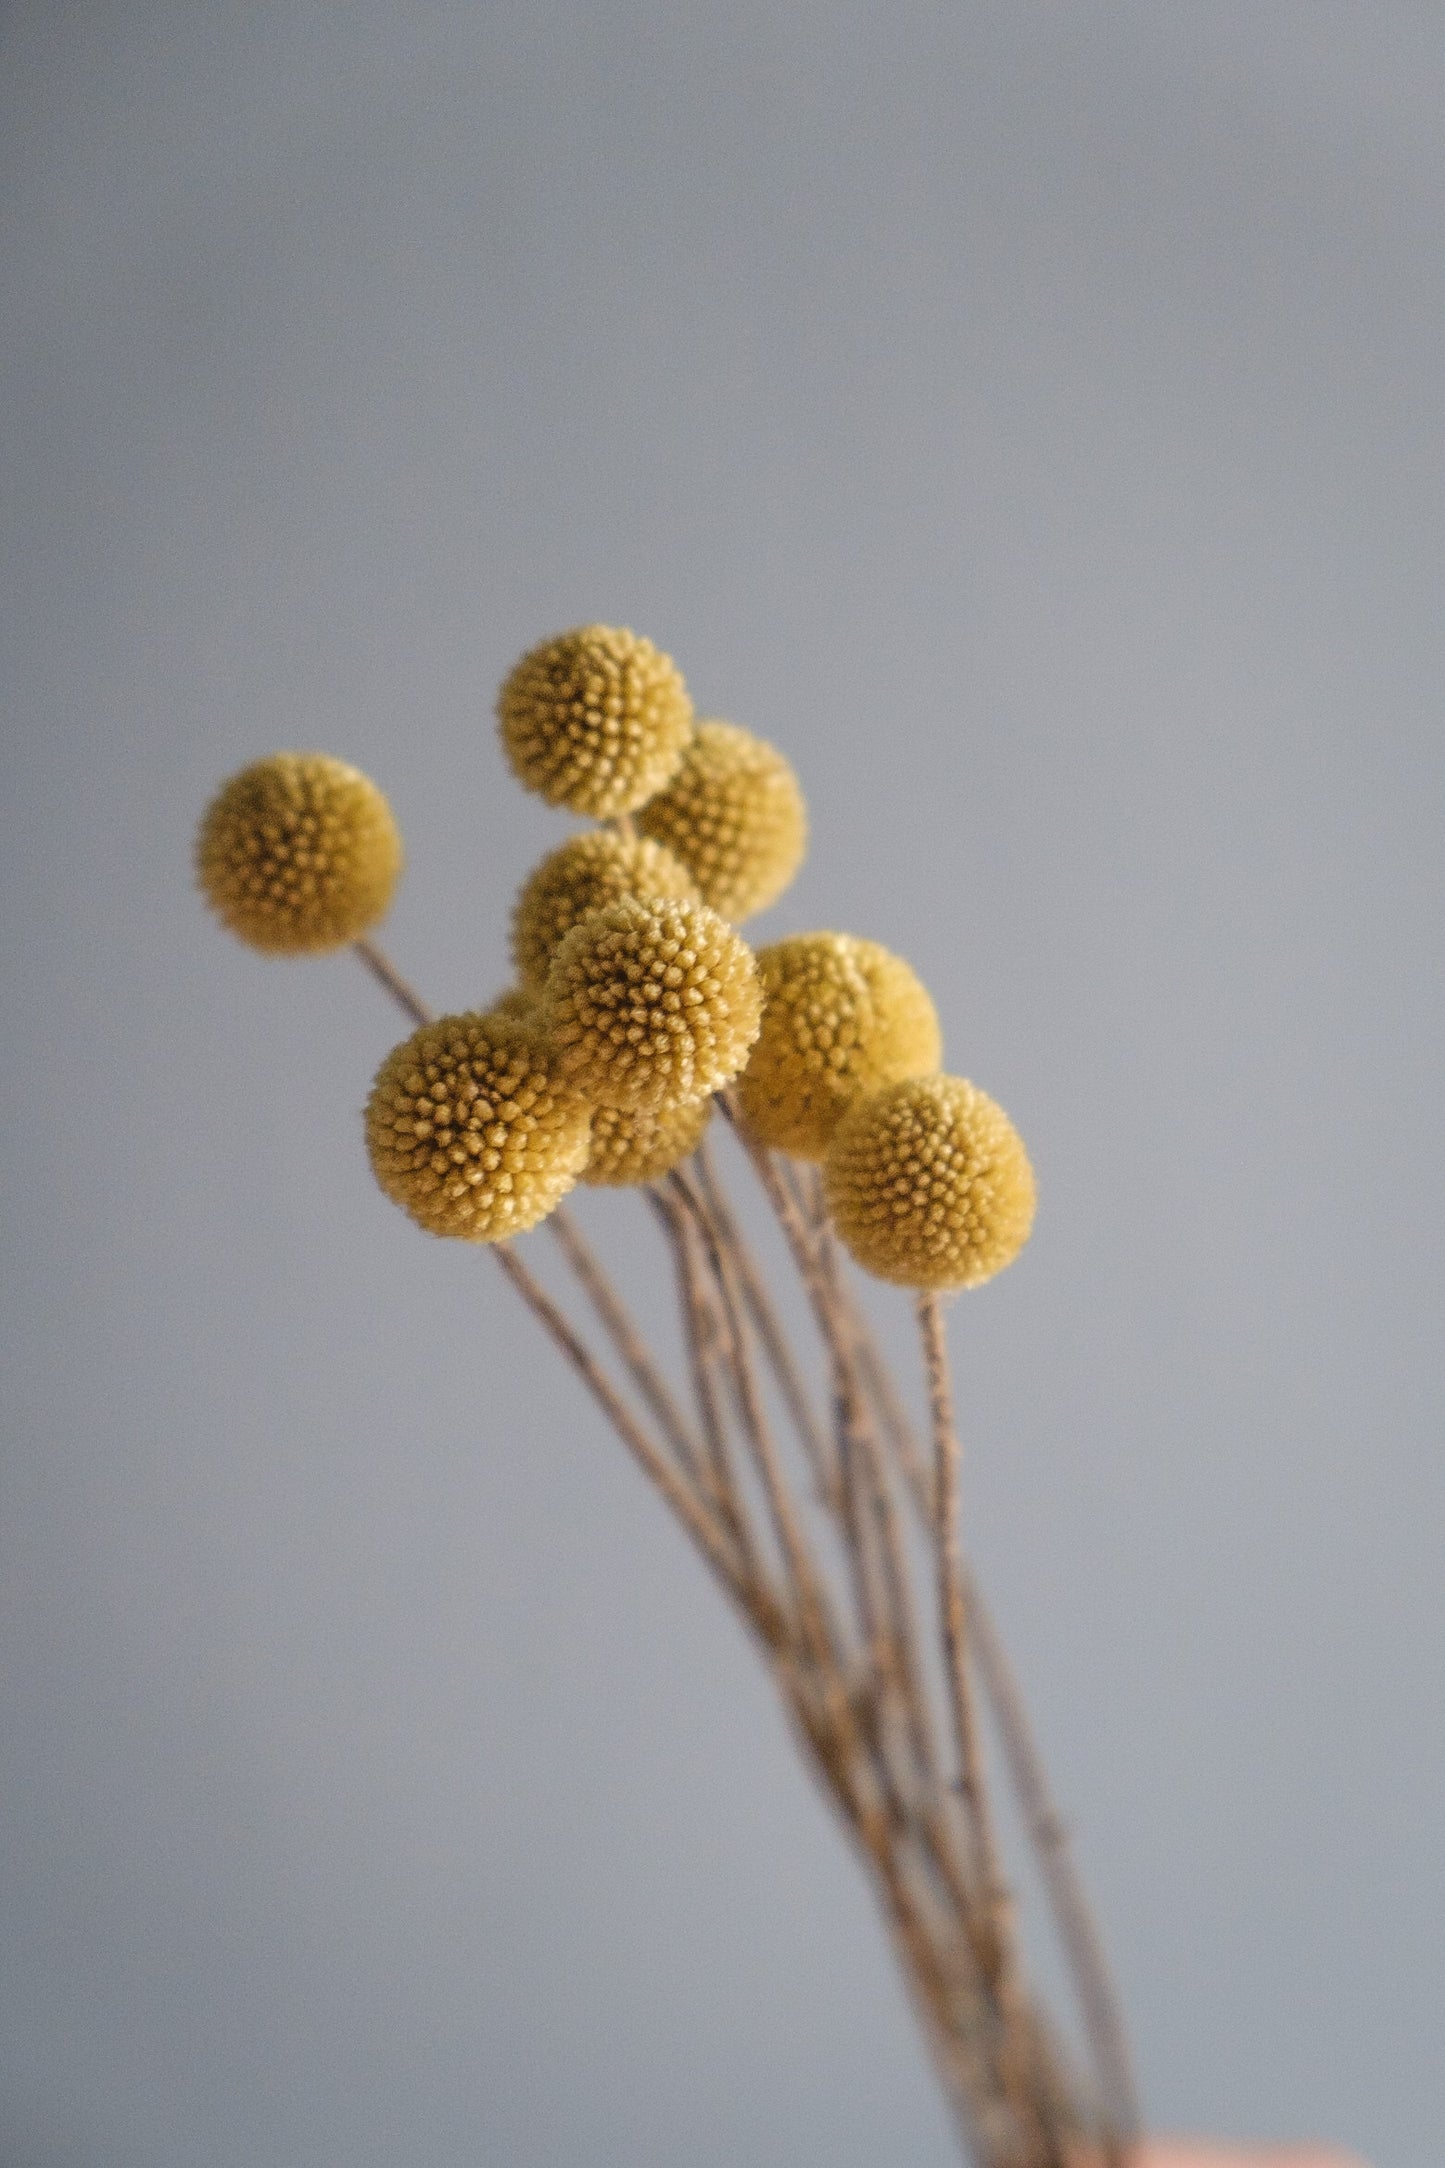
[596,719]
[734,815]
[298,854]
[630,1146]
[472,1130]
[929,1184]
[841,1018]
[586,874]
[652,1003]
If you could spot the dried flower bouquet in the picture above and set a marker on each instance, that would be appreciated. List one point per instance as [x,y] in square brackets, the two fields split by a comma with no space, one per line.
[638,1011]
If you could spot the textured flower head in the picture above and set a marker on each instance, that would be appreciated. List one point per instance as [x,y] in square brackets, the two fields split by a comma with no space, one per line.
[596,719]
[652,1003]
[929,1184]
[589,872]
[630,1146]
[841,1018]
[472,1130]
[734,815]
[298,854]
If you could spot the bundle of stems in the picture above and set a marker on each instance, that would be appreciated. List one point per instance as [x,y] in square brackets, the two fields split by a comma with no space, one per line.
[835,1533]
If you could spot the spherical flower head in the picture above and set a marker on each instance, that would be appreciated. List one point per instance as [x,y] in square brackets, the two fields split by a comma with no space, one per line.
[929,1184]
[298,854]
[596,720]
[472,1129]
[841,1018]
[589,872]
[652,1003]
[631,1146]
[734,815]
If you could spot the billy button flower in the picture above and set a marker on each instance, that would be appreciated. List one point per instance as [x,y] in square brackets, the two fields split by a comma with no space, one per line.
[589,872]
[649,1004]
[929,1184]
[595,720]
[625,1147]
[735,816]
[629,1145]
[472,1129]
[298,854]
[841,1018]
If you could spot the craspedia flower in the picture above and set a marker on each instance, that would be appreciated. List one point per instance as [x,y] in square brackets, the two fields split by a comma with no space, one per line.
[630,1146]
[589,872]
[652,1003]
[929,1184]
[734,815]
[298,854]
[472,1129]
[596,719]
[841,1018]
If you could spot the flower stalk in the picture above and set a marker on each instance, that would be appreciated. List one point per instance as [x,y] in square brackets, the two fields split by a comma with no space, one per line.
[849,1673]
[639,1011]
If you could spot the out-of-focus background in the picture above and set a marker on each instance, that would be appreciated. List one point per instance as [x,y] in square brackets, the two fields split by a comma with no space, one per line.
[1029,417]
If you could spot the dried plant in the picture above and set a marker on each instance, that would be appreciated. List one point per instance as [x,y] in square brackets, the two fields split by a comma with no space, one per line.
[832,1529]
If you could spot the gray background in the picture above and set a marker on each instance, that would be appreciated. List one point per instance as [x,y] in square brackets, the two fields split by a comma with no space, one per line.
[1029,416]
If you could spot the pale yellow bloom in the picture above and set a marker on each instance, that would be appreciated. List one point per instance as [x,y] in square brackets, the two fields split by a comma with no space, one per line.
[929,1184]
[298,854]
[596,719]
[472,1129]
[734,815]
[841,1018]
[630,1146]
[651,1004]
[587,873]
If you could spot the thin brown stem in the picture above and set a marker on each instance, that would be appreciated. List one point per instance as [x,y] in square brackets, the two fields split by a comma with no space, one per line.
[948,1996]
[1083,1945]
[597,1284]
[1099,2002]
[886,1402]
[844,1728]
[385,972]
[773,1339]
[899,1650]
[703,1333]
[876,1593]
[786,1519]
[999,1957]
[952,1591]
[800,1238]
[760,1612]
[809,1242]
[808,1246]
